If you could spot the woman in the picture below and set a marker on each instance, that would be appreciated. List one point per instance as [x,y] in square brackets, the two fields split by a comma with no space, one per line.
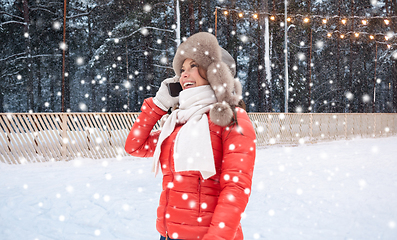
[205,148]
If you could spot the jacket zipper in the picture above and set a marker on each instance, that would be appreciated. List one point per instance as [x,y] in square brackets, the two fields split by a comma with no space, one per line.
[168,193]
[199,195]
[165,212]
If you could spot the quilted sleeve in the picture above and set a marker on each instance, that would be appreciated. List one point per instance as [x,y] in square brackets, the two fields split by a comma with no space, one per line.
[239,149]
[141,140]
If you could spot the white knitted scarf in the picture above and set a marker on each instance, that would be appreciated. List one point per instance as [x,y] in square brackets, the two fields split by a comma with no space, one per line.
[192,146]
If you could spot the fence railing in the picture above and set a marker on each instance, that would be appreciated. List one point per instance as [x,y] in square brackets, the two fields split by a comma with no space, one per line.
[40,137]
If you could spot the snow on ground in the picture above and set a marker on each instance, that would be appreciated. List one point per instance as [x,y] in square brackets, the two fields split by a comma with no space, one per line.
[335,190]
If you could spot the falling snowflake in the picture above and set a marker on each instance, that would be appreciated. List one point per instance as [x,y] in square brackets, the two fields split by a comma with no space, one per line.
[221,224]
[349,95]
[374,2]
[56,25]
[63,46]
[319,44]
[271,212]
[184,196]
[164,60]
[301,56]
[362,184]
[144,31]
[375,149]
[235,179]
[147,8]
[83,107]
[392,224]
[366,98]
[108,176]
[69,189]
[126,207]
[80,61]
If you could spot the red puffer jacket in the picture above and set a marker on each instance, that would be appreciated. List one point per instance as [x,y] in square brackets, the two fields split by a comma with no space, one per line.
[191,207]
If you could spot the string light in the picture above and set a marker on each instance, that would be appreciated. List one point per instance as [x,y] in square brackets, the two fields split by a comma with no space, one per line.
[323,20]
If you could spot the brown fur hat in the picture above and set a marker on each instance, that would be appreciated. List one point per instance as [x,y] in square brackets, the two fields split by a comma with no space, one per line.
[204,49]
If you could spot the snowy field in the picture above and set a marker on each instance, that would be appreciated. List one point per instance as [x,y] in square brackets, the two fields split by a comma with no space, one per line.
[335,190]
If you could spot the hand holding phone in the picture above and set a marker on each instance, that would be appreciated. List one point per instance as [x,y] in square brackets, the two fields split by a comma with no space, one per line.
[174,89]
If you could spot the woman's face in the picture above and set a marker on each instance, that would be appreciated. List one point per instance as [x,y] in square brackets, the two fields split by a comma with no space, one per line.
[192,75]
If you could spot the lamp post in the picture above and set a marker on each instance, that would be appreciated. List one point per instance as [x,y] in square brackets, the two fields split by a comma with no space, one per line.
[286,57]
[376,61]
[178,24]
[286,28]
[63,57]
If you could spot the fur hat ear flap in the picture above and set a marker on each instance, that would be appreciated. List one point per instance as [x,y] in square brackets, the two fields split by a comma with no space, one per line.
[238,91]
[221,114]
[221,80]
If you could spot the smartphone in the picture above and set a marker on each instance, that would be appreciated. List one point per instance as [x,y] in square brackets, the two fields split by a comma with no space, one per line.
[174,89]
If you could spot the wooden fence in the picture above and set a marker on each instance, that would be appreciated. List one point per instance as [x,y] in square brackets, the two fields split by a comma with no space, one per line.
[40,137]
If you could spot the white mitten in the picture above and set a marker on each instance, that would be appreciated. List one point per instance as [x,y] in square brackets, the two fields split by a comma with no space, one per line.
[163,99]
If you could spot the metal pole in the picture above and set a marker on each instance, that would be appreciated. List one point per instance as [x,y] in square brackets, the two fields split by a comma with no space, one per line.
[310,58]
[286,56]
[216,20]
[178,24]
[63,57]
[127,78]
[376,61]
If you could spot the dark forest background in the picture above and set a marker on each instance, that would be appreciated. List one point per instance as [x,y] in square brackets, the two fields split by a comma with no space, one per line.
[343,59]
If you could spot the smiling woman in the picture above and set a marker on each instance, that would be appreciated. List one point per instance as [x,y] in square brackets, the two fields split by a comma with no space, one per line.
[205,148]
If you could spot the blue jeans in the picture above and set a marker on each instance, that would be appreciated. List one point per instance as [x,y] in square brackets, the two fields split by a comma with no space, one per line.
[163,238]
